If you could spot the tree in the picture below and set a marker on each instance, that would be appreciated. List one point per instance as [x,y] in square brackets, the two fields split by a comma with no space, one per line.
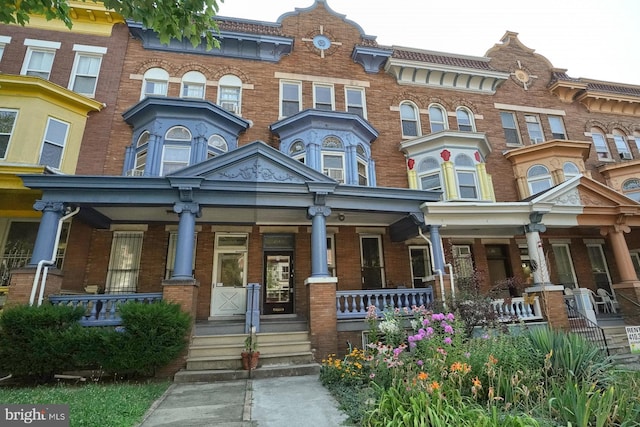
[190,19]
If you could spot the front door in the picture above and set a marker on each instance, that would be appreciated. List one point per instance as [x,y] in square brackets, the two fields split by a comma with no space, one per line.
[278,277]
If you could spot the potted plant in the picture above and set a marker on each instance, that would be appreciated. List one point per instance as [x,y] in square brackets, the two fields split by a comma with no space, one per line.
[250,354]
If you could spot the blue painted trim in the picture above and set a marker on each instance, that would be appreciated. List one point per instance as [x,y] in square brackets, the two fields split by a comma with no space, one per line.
[335,120]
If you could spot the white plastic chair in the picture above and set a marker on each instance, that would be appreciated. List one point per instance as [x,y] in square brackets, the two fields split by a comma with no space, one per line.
[608,299]
[597,301]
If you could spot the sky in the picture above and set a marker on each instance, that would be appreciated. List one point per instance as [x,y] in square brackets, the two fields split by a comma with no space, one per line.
[597,39]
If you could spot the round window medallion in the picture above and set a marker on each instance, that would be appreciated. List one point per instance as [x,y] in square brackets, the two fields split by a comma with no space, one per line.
[321,42]
[522,75]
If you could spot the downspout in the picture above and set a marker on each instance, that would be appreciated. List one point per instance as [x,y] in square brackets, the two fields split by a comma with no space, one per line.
[433,269]
[451,281]
[48,262]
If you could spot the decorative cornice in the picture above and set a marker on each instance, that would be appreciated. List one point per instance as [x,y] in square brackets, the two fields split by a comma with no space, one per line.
[449,139]
[371,58]
[87,18]
[597,96]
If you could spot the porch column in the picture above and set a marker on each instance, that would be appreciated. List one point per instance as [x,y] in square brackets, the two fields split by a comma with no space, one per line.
[47,231]
[184,247]
[539,266]
[436,247]
[621,251]
[318,214]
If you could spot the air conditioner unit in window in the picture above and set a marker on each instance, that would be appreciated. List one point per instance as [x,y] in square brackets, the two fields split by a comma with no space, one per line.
[336,174]
[230,106]
[135,172]
[626,156]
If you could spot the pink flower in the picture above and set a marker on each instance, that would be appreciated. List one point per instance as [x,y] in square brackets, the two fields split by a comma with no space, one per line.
[419,363]
[447,340]
[448,329]
[450,317]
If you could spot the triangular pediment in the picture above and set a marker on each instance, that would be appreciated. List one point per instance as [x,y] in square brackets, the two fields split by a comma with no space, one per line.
[253,163]
[586,192]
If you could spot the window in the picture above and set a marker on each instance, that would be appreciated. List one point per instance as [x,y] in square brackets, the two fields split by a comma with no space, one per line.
[631,189]
[124,262]
[533,127]
[600,143]
[557,127]
[409,119]
[331,255]
[155,82]
[39,58]
[355,101]
[291,98]
[323,97]
[55,138]
[510,127]
[429,174]
[230,93]
[298,151]
[636,137]
[171,255]
[462,263]
[230,260]
[437,118]
[372,262]
[564,265]
[465,120]
[420,265]
[621,145]
[539,179]
[4,40]
[142,148]
[86,67]
[193,85]
[466,175]
[177,150]
[362,165]
[216,145]
[570,170]
[7,123]
[333,161]
[599,267]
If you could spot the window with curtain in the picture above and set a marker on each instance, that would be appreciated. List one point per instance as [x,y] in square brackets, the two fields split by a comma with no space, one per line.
[124,262]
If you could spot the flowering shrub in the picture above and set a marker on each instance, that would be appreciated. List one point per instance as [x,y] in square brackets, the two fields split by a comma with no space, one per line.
[352,369]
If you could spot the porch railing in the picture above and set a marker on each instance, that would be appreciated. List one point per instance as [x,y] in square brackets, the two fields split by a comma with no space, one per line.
[102,310]
[354,304]
[580,325]
[517,308]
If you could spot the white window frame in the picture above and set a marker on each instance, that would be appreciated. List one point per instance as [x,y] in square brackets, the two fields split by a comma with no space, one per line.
[636,138]
[556,124]
[426,253]
[600,145]
[231,249]
[570,174]
[133,261]
[171,254]
[27,69]
[426,171]
[350,106]
[534,128]
[61,144]
[333,172]
[378,238]
[216,149]
[363,178]
[534,180]
[466,170]
[298,85]
[193,85]
[323,105]
[4,40]
[10,133]
[158,77]
[508,130]
[470,126]
[631,189]
[635,259]
[620,140]
[415,120]
[602,261]
[90,52]
[230,93]
[561,250]
[300,155]
[438,125]
[331,255]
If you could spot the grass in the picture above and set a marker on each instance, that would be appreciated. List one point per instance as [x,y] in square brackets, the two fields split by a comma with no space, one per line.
[93,404]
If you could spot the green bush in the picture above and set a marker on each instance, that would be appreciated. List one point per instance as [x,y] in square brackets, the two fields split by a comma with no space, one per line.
[37,342]
[152,336]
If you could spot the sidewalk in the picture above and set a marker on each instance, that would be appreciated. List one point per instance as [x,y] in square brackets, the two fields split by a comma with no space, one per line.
[266,402]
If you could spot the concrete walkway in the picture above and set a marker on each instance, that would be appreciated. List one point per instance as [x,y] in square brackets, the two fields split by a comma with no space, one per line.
[266,402]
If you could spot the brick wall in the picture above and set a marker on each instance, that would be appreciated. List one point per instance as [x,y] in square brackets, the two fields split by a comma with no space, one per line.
[322,319]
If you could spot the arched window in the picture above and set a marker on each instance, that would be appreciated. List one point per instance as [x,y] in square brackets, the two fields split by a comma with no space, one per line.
[176,150]
[142,148]
[193,85]
[466,175]
[621,144]
[465,120]
[539,179]
[437,118]
[333,158]
[636,136]
[216,145]
[429,174]
[155,82]
[230,93]
[631,189]
[363,165]
[570,170]
[410,120]
[600,144]
[298,151]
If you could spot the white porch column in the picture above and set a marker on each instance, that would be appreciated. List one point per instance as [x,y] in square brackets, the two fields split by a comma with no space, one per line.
[539,266]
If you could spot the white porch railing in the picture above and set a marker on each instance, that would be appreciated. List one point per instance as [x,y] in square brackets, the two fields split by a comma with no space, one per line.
[354,304]
[517,309]
[102,309]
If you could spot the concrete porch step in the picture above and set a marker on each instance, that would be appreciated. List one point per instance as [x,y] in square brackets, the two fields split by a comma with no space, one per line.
[186,376]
